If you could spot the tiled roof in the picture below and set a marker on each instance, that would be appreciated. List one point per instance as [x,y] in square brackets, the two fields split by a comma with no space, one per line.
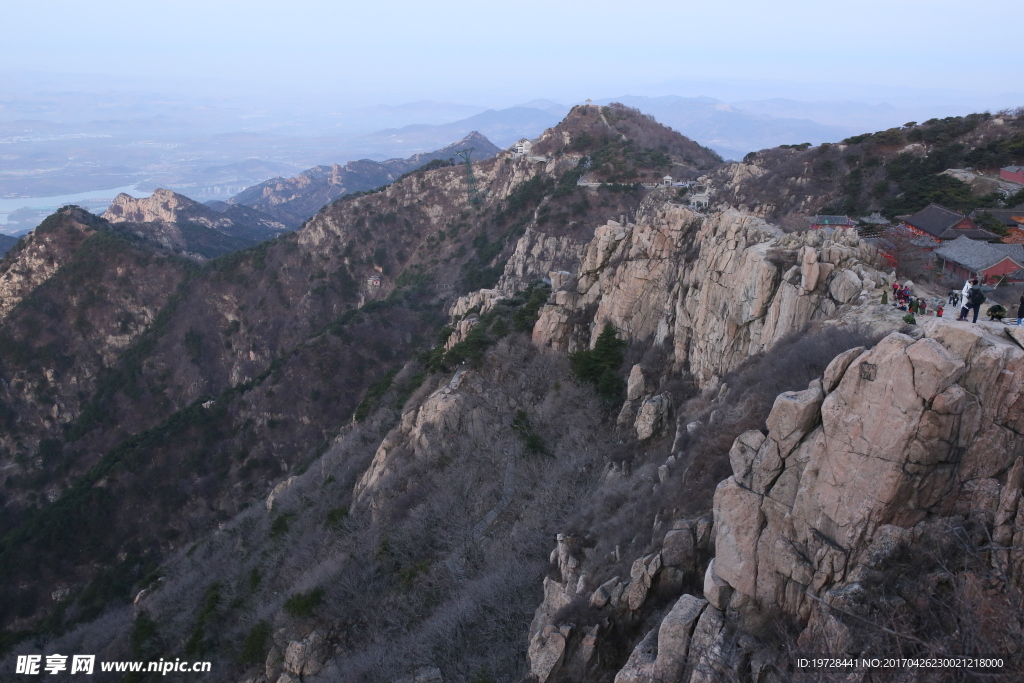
[1004,216]
[977,256]
[1013,169]
[934,219]
[831,220]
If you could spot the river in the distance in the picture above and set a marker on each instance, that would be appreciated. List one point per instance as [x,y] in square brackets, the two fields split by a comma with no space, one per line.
[95,201]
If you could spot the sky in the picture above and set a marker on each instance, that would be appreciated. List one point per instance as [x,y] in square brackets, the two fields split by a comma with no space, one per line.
[497,53]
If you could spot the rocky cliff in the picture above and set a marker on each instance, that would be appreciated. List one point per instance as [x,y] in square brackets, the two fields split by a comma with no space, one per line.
[40,256]
[175,222]
[520,428]
[911,448]
[718,288]
[163,206]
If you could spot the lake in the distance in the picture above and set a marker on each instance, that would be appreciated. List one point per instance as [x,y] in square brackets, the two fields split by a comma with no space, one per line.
[95,201]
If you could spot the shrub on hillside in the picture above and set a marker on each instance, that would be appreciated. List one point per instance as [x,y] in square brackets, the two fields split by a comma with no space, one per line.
[599,366]
[302,605]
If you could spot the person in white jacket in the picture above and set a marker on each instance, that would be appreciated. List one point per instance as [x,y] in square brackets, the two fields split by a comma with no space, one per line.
[963,299]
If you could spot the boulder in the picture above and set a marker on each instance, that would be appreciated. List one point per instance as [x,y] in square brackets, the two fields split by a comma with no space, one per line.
[935,368]
[716,591]
[274,663]
[959,337]
[635,385]
[306,657]
[429,674]
[674,637]
[603,595]
[738,521]
[742,454]
[642,574]
[809,268]
[679,549]
[845,286]
[1016,334]
[651,417]
[793,415]
[837,368]
[627,415]
[708,660]
[547,648]
[766,468]
[639,667]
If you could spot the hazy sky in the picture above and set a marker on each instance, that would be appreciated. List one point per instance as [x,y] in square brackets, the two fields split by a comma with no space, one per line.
[496,53]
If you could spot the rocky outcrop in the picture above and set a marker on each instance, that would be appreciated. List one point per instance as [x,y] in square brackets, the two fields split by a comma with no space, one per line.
[43,253]
[892,445]
[712,287]
[446,411]
[909,432]
[568,648]
[176,222]
[306,657]
[163,206]
[539,256]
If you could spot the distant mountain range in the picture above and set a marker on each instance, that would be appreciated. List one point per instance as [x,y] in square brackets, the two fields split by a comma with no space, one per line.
[292,200]
[729,130]
[6,242]
[501,126]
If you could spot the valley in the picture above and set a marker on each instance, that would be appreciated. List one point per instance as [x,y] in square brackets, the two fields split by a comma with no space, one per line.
[531,416]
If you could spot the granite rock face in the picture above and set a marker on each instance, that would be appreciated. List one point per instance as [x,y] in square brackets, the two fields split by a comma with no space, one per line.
[891,445]
[163,206]
[909,432]
[712,287]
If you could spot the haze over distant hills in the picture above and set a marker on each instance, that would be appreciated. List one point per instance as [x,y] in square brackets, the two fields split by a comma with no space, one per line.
[729,130]
[503,127]
[293,200]
[60,137]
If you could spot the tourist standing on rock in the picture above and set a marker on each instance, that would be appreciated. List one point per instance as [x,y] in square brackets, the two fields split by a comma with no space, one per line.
[963,300]
[1020,310]
[954,297]
[975,298]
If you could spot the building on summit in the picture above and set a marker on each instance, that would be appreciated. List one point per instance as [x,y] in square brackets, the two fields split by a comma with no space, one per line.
[964,258]
[942,224]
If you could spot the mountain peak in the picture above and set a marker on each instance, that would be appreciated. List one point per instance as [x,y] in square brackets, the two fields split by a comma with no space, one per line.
[625,145]
[163,206]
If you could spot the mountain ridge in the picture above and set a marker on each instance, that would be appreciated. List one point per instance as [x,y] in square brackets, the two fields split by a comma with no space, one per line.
[176,222]
[293,200]
[489,423]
